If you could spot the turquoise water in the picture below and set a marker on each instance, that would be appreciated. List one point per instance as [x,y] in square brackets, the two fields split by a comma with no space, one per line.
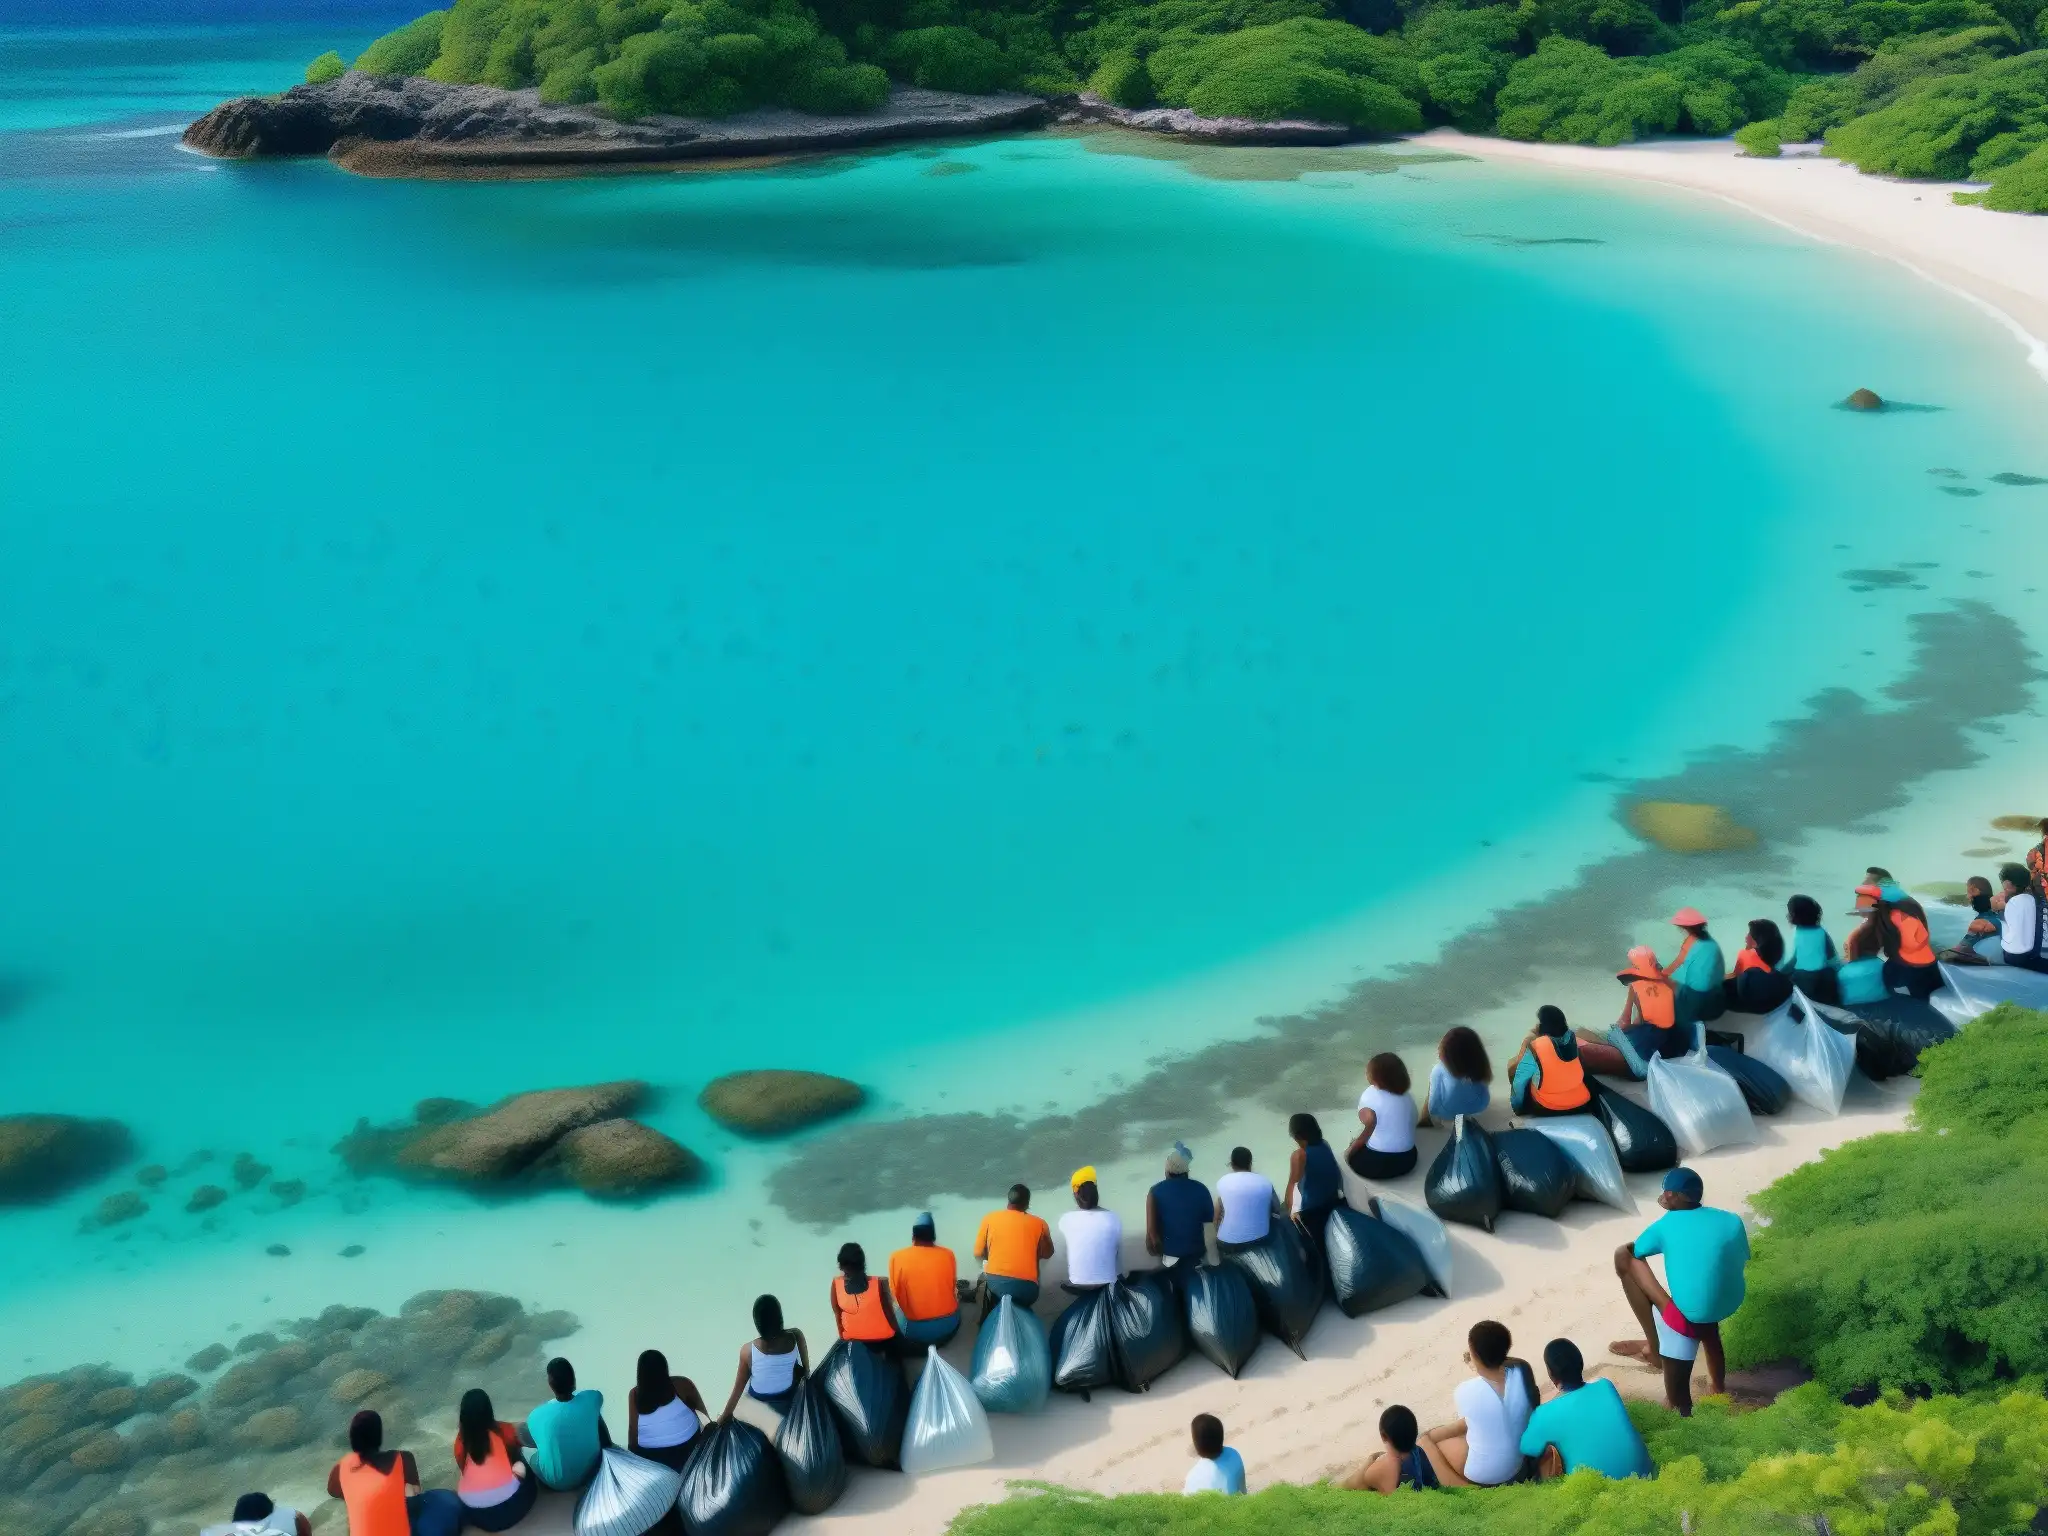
[463,638]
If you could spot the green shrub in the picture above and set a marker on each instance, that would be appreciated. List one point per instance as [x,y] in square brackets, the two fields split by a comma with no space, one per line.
[950,59]
[1830,33]
[329,66]
[1123,79]
[408,51]
[1951,127]
[1765,140]
[2021,187]
[1992,1078]
[1463,57]
[1325,71]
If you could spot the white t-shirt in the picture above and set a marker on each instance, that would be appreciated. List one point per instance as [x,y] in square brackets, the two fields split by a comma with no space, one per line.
[279,1522]
[1247,1201]
[1093,1241]
[1223,1475]
[1393,1127]
[1493,1427]
[2021,932]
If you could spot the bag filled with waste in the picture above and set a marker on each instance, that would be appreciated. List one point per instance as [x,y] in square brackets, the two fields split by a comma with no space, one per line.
[1286,1281]
[1596,1171]
[948,1426]
[869,1394]
[628,1496]
[1463,1184]
[733,1485]
[1536,1176]
[1012,1369]
[813,1454]
[1372,1264]
[1223,1319]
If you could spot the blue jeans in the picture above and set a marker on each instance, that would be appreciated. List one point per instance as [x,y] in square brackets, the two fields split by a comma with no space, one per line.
[1023,1293]
[502,1517]
[437,1512]
[932,1330]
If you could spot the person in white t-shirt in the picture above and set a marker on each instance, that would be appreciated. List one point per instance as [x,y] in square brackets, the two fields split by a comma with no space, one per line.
[255,1515]
[1244,1203]
[2019,929]
[1484,1444]
[1093,1237]
[1385,1145]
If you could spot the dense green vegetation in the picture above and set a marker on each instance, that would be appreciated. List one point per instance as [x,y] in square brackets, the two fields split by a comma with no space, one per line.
[1946,88]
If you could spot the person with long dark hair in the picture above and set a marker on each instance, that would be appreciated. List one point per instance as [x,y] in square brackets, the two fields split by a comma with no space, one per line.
[495,1485]
[1384,1147]
[381,1491]
[1315,1187]
[1458,1078]
[1696,973]
[664,1412]
[772,1367]
[1757,984]
[1811,958]
[1547,1077]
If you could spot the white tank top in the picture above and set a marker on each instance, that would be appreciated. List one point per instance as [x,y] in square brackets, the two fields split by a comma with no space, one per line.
[673,1423]
[772,1374]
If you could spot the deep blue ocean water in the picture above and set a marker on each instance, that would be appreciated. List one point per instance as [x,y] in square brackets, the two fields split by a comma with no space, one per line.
[461,638]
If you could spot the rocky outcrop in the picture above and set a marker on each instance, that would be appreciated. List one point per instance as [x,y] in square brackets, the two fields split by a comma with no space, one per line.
[1678,828]
[1181,123]
[1864,400]
[44,1156]
[580,1136]
[774,1103]
[390,125]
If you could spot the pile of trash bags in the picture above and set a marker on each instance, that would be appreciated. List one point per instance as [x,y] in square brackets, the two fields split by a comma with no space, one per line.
[1810,1054]
[871,1401]
[1890,1035]
[732,1484]
[1972,990]
[947,1426]
[1642,1142]
[1703,1105]
[1372,1264]
[1222,1315]
[1596,1171]
[1012,1369]
[813,1454]
[1124,1335]
[1535,1174]
[1763,1090]
[1285,1279]
[1429,1235]
[1464,1183]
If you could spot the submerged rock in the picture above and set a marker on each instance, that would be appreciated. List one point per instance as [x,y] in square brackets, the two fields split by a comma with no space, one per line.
[248,1173]
[44,1156]
[114,1210]
[491,1146]
[1864,400]
[151,1176]
[618,1159]
[205,1198]
[776,1102]
[2018,823]
[1678,828]
[211,1358]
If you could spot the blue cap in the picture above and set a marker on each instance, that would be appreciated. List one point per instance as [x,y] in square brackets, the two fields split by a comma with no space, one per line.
[924,1223]
[1892,891]
[1683,1181]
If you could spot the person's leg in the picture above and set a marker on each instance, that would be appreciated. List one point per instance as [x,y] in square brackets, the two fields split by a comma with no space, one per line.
[1678,1387]
[1454,1449]
[1550,1465]
[436,1512]
[1717,1360]
[1625,1262]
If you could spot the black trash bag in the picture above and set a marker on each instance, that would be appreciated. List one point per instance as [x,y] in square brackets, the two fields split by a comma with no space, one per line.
[1464,1182]
[1286,1281]
[813,1454]
[1891,1034]
[1222,1317]
[1642,1142]
[871,1399]
[1766,1092]
[1760,991]
[1372,1265]
[733,1485]
[1536,1174]
[1144,1317]
[1084,1346]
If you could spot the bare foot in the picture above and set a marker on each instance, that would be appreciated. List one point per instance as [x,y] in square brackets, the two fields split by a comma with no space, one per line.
[1637,1350]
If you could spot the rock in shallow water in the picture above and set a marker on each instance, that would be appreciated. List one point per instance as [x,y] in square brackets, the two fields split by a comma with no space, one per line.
[1678,828]
[776,1102]
[1864,400]
[44,1156]
[618,1159]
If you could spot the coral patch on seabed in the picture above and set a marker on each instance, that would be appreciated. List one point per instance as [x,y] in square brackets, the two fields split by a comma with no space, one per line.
[775,1102]
[44,1156]
[1688,828]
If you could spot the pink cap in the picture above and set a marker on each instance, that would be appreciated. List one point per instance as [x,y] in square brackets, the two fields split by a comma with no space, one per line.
[1688,917]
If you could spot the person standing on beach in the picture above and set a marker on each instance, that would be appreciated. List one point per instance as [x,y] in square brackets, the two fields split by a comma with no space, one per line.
[1178,1210]
[1011,1245]
[1094,1237]
[1704,1253]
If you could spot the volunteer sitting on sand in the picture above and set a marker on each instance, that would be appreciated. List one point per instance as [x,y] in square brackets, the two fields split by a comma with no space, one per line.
[1178,1210]
[1244,1203]
[1315,1187]
[381,1489]
[1979,944]
[1584,1424]
[1909,962]
[925,1280]
[1648,1025]
[256,1515]
[663,1412]
[1811,959]
[2019,934]
[1757,984]
[1861,977]
[1385,1145]
[1012,1244]
[1458,1078]
[1704,1253]
[1217,1468]
[492,1479]
[773,1365]
[860,1301]
[566,1434]
[1094,1238]
[1408,1458]
[1484,1444]
[1696,973]
[1547,1077]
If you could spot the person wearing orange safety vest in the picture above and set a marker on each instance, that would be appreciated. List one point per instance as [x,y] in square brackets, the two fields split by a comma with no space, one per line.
[1909,960]
[1547,1077]
[1648,1025]
[860,1302]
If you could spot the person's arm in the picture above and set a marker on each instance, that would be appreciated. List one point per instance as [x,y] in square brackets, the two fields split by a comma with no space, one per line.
[1449,1431]
[333,1482]
[301,1524]
[981,1241]
[633,1420]
[1368,1121]
[1044,1242]
[411,1469]
[525,1434]
[739,1385]
[1152,1243]
[686,1389]
[1219,1210]
[803,1349]
[1296,1166]
[509,1433]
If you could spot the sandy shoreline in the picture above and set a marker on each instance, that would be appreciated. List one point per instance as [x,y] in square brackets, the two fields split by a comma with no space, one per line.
[1997,260]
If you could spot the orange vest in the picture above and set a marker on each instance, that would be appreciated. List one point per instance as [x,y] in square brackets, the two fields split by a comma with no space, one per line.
[1656,1002]
[375,1500]
[1559,1084]
[1750,960]
[926,1282]
[861,1317]
[1913,946]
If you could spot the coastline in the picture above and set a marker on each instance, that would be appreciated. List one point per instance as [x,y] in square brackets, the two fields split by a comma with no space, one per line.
[1998,261]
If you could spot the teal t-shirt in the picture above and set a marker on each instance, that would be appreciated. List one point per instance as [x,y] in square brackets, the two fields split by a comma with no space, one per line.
[1590,1428]
[1862,981]
[1811,950]
[565,1444]
[1704,1251]
[1703,968]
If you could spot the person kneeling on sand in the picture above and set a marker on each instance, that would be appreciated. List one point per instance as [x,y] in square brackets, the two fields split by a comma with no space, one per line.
[1547,1076]
[1584,1424]
[1409,1459]
[256,1515]
[1218,1468]
[1012,1244]
[567,1433]
[1704,1253]
[925,1280]
[1484,1445]
[1095,1238]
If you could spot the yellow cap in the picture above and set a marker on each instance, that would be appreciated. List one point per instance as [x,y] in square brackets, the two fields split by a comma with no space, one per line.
[1082,1176]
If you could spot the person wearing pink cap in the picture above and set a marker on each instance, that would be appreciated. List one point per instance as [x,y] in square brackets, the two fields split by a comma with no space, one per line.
[1648,1025]
[1696,973]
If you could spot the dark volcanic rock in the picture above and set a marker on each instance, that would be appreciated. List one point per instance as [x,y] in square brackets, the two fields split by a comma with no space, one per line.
[773,1103]
[404,126]
[43,1156]
[1181,123]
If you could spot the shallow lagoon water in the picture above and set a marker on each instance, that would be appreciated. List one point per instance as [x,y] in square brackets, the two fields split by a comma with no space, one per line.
[923,616]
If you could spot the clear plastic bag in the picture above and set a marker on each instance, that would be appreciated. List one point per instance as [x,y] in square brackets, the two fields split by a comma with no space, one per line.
[1813,1057]
[1977,989]
[1012,1370]
[1702,1104]
[1425,1230]
[628,1496]
[947,1427]
[1584,1139]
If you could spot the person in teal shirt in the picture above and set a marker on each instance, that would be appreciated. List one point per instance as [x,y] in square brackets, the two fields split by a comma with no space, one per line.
[1704,1253]
[1584,1424]
[1696,972]
[567,1433]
